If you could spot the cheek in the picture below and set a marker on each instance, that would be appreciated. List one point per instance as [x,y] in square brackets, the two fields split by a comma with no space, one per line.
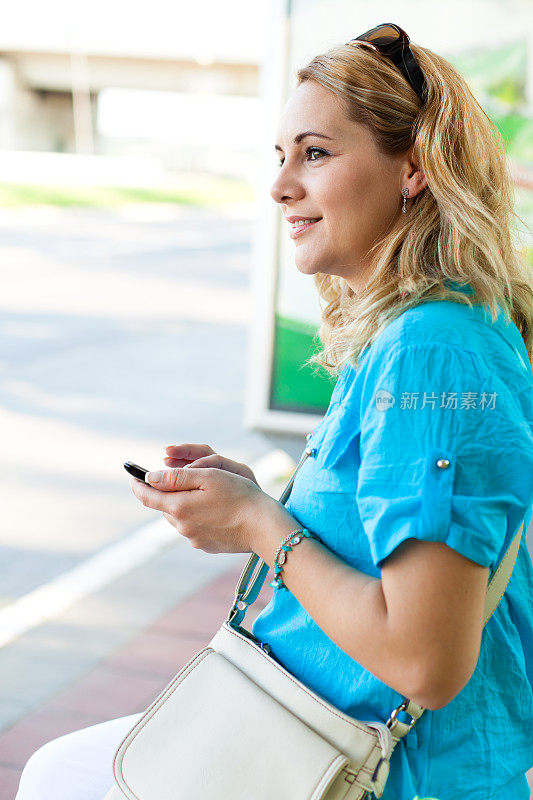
[350,212]
[345,190]
[350,195]
[367,206]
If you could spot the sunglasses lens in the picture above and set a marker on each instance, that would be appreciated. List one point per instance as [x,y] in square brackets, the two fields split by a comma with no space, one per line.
[393,42]
[384,34]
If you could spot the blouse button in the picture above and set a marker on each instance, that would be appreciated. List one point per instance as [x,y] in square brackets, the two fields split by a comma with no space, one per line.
[443,463]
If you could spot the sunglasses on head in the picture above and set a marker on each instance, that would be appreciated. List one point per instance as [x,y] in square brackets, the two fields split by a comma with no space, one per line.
[392,41]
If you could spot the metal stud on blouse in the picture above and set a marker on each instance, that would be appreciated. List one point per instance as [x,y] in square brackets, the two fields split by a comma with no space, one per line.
[443,463]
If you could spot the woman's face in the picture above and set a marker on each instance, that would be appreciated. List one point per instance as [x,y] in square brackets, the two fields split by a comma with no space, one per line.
[343,179]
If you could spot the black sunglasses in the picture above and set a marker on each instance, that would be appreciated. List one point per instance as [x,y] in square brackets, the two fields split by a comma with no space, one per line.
[392,41]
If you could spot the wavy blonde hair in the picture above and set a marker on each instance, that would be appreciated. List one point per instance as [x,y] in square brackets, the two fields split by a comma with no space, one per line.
[459,228]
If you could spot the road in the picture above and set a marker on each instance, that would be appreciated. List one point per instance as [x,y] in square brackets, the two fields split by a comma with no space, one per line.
[122,331]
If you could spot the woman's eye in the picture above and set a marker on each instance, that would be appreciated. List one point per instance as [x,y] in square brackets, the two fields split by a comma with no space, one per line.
[318,150]
[307,152]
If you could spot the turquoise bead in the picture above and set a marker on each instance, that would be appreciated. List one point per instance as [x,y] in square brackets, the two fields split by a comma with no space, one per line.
[286,547]
[277,568]
[273,584]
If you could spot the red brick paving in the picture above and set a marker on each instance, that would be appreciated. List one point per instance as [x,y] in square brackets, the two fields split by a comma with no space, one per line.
[29,733]
[197,617]
[155,654]
[129,679]
[9,782]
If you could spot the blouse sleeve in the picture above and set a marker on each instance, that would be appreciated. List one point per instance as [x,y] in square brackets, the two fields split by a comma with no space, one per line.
[446,454]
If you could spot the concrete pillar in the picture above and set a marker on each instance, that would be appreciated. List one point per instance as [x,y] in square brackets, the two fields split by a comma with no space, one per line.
[8,92]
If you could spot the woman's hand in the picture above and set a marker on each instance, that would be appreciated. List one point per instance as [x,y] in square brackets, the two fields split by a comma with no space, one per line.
[201,455]
[217,510]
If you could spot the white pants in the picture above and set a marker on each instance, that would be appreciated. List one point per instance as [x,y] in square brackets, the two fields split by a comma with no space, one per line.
[77,766]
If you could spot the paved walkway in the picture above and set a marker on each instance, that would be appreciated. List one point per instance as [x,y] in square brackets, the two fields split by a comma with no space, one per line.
[130,678]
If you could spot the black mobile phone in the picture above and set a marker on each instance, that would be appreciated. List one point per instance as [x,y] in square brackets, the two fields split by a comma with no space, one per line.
[136,470]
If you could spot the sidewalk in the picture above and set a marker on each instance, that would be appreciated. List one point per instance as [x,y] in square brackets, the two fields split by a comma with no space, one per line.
[110,650]
[128,680]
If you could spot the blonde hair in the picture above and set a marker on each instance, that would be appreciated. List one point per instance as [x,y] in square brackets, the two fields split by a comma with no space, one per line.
[457,229]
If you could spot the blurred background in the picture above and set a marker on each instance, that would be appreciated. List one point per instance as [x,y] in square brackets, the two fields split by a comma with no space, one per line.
[149,297]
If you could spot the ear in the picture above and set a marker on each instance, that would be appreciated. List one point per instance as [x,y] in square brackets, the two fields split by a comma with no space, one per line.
[412,176]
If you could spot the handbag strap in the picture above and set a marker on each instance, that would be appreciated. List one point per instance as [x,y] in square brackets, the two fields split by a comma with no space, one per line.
[495,591]
[248,589]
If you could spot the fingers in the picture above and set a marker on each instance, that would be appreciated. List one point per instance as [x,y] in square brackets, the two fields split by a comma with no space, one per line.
[202,455]
[218,462]
[178,462]
[148,496]
[188,452]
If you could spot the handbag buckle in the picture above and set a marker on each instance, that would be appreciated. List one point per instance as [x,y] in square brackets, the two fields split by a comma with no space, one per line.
[394,715]
[349,776]
[235,606]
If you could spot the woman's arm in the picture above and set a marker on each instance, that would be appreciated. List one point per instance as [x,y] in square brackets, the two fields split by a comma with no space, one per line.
[417,629]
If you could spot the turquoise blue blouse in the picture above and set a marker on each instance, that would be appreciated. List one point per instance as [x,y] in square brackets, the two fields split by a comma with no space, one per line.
[441,381]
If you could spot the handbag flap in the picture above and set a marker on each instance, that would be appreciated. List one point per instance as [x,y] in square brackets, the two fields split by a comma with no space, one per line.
[213,732]
[364,743]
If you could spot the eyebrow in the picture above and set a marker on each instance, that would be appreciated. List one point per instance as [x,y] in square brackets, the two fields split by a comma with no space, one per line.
[300,136]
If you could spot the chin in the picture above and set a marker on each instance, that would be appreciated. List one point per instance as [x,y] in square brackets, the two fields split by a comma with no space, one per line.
[307,268]
[309,272]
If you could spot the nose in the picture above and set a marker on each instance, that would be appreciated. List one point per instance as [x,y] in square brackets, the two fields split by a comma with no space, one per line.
[286,187]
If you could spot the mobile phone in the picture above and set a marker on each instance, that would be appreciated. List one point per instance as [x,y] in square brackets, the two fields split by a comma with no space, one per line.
[136,470]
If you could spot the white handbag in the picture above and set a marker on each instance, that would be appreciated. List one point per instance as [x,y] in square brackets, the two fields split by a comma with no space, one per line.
[234,724]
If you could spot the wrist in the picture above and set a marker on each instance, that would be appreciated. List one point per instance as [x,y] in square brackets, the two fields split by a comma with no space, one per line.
[268,527]
[294,538]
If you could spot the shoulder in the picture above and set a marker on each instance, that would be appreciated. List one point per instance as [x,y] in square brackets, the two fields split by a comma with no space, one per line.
[442,332]
[443,365]
[435,322]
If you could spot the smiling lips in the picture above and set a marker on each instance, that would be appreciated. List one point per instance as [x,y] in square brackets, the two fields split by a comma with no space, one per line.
[299,228]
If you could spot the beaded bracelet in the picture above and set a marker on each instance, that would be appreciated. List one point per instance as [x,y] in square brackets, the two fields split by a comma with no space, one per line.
[281,553]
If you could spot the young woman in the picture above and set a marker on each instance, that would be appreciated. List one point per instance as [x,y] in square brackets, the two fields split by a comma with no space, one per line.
[422,468]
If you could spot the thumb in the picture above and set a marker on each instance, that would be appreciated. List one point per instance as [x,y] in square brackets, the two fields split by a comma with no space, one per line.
[174,480]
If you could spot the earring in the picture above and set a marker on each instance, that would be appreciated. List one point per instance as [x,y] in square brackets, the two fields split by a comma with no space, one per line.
[405,193]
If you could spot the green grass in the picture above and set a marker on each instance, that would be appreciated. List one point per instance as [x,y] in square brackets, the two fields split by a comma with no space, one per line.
[196,190]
